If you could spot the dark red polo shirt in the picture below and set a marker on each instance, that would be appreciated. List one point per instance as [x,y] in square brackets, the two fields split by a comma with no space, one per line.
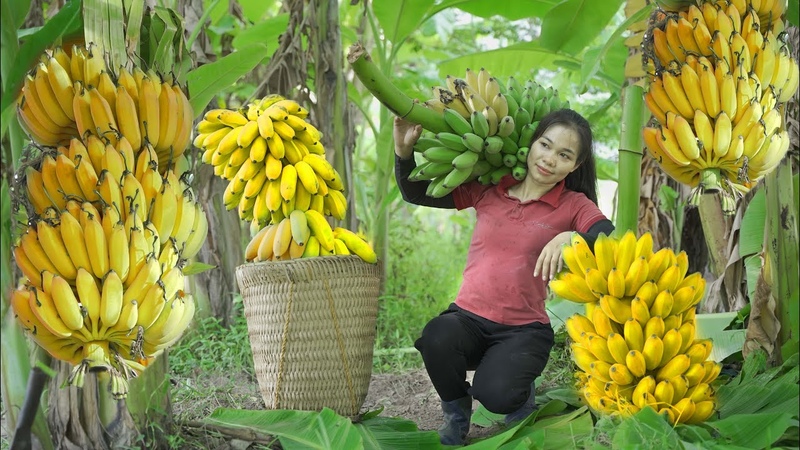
[498,280]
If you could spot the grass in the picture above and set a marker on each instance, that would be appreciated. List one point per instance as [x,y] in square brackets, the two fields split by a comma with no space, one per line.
[423,275]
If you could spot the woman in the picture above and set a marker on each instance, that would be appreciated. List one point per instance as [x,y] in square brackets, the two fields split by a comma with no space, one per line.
[497,325]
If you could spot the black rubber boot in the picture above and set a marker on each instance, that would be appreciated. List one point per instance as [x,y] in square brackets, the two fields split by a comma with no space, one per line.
[457,415]
[525,410]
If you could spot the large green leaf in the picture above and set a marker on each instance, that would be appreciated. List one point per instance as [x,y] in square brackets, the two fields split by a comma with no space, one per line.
[793,13]
[754,431]
[295,429]
[209,79]
[399,18]
[510,9]
[606,169]
[592,61]
[327,430]
[67,22]
[265,32]
[559,310]
[390,433]
[756,390]
[572,25]
[726,342]
[519,60]
[645,426]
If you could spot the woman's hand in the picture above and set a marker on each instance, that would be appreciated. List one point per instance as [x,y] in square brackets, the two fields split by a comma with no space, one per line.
[550,261]
[405,135]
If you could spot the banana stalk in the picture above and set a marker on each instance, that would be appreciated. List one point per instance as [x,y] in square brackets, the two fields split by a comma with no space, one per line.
[630,159]
[782,252]
[716,223]
[389,95]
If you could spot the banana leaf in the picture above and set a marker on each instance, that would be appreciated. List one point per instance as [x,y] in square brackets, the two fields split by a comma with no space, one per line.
[208,80]
[324,429]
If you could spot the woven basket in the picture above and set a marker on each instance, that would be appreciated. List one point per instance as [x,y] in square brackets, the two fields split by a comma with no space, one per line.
[312,330]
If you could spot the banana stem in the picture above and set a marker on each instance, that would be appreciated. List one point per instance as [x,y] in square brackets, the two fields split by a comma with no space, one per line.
[389,95]
[715,230]
[630,159]
[710,180]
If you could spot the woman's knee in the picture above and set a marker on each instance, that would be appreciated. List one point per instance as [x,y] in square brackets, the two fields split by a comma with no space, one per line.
[498,396]
[440,334]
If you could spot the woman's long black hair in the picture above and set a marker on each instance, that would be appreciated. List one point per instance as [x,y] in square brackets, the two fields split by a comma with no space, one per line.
[584,178]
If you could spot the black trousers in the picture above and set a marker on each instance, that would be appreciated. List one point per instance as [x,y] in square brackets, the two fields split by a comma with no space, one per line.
[506,359]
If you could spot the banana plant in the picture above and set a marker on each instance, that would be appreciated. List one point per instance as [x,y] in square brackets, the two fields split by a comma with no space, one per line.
[579,57]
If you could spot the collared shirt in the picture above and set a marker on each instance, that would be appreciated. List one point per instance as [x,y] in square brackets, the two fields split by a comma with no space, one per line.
[498,281]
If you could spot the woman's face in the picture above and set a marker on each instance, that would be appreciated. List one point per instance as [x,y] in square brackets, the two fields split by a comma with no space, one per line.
[554,155]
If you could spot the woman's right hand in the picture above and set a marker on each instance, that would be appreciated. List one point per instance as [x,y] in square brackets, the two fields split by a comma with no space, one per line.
[405,136]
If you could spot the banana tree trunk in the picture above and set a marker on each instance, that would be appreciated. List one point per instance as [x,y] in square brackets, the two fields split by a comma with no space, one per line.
[214,290]
[331,111]
[630,159]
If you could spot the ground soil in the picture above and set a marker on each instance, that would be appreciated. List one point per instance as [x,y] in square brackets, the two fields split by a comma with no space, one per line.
[408,395]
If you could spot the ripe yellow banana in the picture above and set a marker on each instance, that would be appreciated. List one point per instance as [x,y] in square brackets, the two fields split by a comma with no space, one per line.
[72,233]
[577,324]
[168,116]
[199,233]
[43,307]
[655,326]
[336,202]
[652,351]
[251,250]
[572,287]
[635,362]
[595,281]
[52,187]
[96,245]
[618,310]
[674,88]
[61,84]
[618,347]
[52,243]
[48,98]
[89,295]
[66,303]
[35,190]
[602,323]
[149,110]
[604,250]
[283,237]
[27,267]
[357,245]
[675,367]
[320,228]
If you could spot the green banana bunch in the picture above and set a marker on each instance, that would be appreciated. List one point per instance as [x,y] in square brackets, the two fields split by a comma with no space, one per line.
[492,125]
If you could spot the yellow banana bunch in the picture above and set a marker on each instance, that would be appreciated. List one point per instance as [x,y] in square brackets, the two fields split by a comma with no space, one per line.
[279,180]
[111,219]
[720,76]
[75,94]
[637,348]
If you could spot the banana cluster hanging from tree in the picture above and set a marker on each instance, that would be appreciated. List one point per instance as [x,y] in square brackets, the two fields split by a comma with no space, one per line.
[111,218]
[719,72]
